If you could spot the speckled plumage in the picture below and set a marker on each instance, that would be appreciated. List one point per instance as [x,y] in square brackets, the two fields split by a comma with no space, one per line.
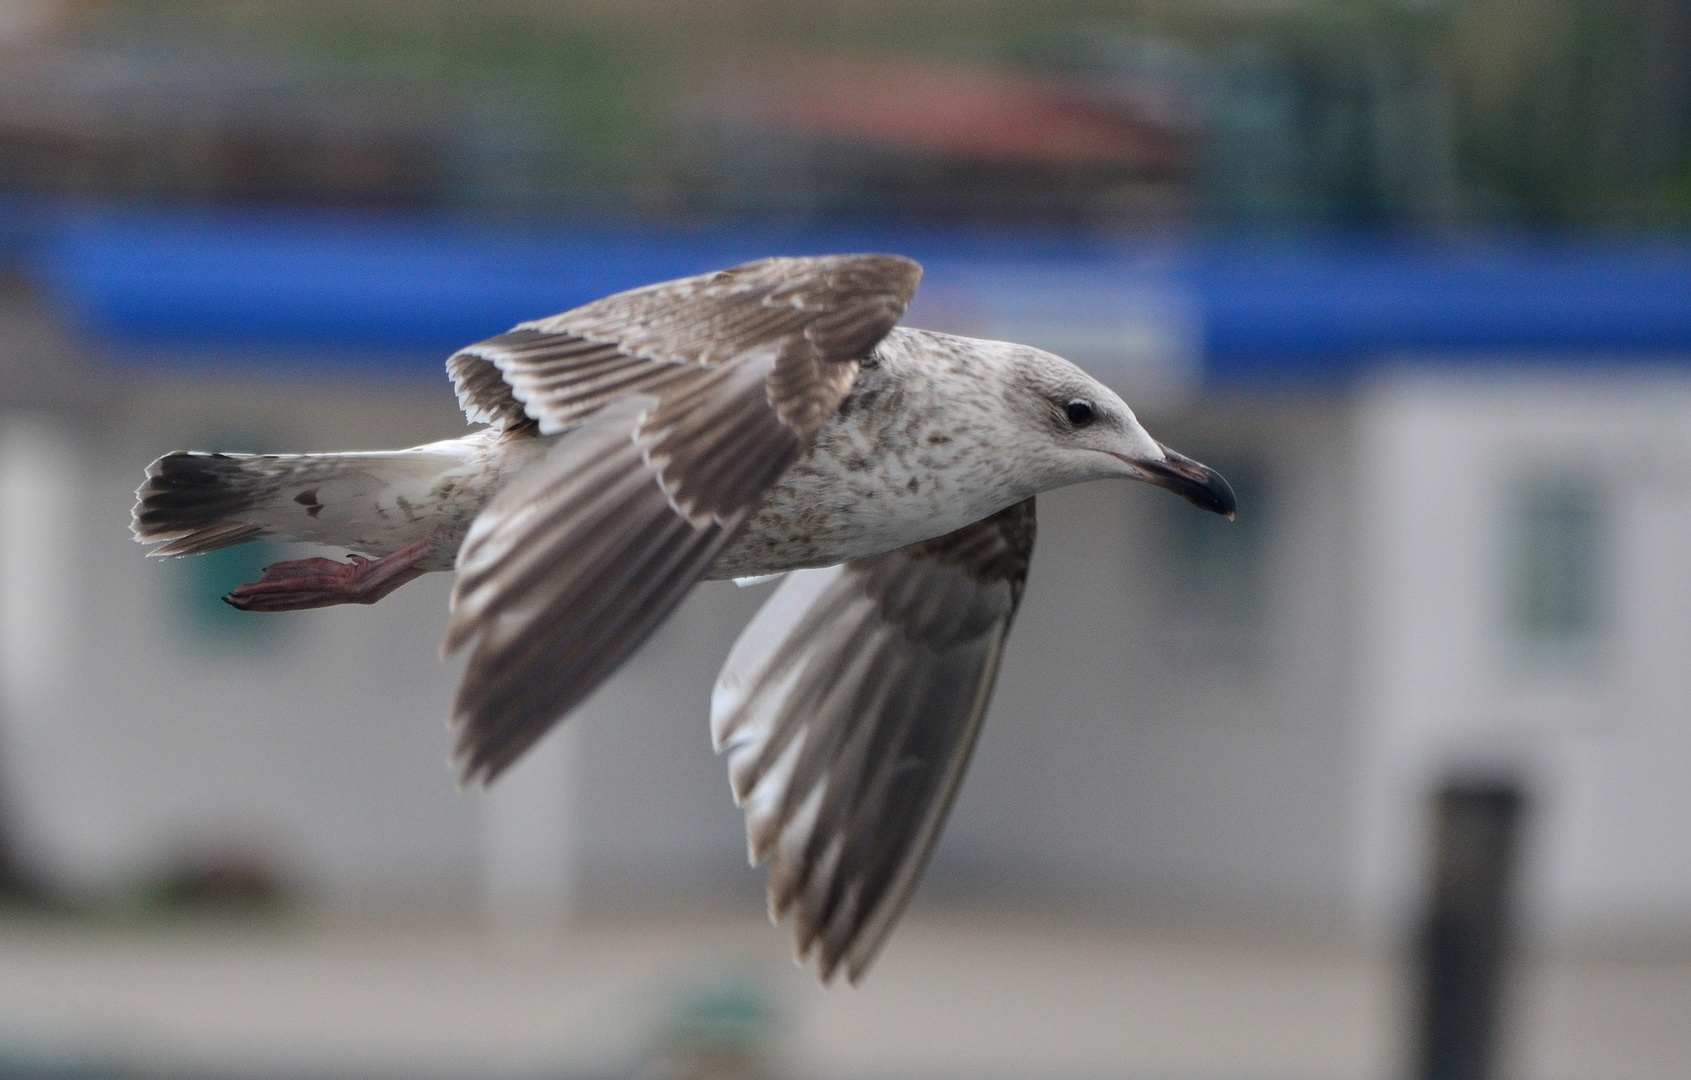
[761,420]
[917,449]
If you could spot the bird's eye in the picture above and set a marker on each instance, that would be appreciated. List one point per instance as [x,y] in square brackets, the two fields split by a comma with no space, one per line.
[1079,413]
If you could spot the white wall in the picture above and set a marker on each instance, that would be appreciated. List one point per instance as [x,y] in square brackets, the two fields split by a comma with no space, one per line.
[1605,748]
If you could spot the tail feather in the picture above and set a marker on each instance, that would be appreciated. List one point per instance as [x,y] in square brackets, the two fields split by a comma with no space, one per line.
[197,502]
[374,502]
[201,541]
[190,500]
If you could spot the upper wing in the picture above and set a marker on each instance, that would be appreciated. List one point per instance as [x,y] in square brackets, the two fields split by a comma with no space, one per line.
[690,398]
[848,709]
[814,311]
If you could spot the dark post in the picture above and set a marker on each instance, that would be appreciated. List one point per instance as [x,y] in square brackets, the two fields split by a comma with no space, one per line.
[1466,933]
[14,886]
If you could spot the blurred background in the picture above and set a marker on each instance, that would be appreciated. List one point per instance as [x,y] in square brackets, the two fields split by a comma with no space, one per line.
[1414,274]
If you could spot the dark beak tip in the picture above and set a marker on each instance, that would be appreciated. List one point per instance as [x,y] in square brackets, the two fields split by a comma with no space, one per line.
[1228,506]
[1216,493]
[1195,482]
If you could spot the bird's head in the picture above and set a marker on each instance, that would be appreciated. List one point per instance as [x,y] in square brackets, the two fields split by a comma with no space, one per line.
[1082,430]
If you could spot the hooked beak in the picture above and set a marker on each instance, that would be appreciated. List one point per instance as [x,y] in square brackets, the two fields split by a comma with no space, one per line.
[1198,484]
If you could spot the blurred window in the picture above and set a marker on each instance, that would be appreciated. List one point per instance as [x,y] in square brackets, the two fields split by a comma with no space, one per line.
[1216,595]
[1556,563]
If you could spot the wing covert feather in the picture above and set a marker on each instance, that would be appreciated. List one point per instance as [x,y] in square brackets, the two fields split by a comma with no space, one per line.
[812,314]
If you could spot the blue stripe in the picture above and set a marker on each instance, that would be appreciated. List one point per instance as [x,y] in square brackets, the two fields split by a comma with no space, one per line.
[382,287]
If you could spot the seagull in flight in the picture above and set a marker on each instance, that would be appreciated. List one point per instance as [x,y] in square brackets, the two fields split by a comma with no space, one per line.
[770,419]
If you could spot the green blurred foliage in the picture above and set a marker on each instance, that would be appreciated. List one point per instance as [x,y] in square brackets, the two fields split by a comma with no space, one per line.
[1573,110]
[1555,111]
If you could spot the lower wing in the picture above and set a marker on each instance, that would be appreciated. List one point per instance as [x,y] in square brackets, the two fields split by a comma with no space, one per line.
[848,709]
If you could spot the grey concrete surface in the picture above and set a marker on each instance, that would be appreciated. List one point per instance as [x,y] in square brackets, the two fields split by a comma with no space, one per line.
[979,994]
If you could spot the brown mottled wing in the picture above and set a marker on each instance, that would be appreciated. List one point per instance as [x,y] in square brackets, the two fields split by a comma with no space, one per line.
[848,709]
[684,402]
[814,312]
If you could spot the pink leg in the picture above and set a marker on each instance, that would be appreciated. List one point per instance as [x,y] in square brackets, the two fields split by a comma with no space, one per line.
[315,583]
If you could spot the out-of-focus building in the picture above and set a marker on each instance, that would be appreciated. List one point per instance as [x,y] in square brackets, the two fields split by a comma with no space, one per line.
[1521,609]
[1458,460]
[1371,113]
[167,126]
[826,136]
